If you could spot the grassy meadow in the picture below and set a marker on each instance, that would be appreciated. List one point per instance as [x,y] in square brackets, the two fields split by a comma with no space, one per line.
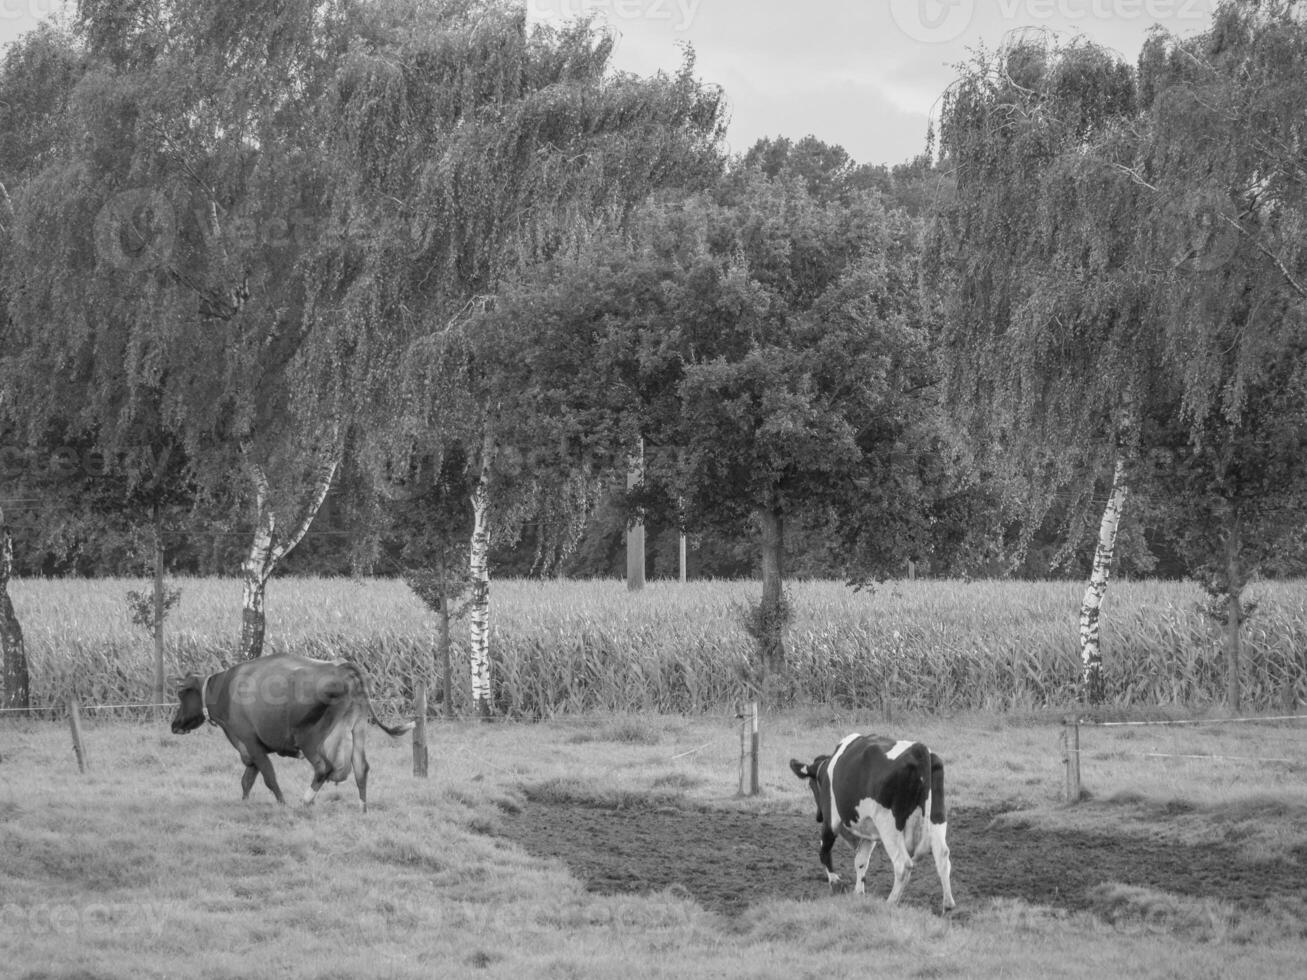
[568,647]
[150,865]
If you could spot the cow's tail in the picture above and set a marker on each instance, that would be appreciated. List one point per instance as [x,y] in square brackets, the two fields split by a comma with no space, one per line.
[938,813]
[372,715]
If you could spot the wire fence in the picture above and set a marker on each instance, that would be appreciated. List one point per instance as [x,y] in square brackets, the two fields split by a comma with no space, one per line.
[1072,751]
[1191,721]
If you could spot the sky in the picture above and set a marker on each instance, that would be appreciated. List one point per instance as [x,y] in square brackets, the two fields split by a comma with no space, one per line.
[866,74]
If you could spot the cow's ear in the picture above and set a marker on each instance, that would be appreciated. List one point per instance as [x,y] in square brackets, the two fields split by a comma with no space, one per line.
[800,769]
[184,684]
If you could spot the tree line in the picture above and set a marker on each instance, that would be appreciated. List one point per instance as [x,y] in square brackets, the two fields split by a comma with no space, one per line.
[449,278]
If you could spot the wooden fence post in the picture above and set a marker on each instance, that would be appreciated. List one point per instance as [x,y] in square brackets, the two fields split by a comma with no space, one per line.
[79,747]
[420,733]
[753,749]
[744,752]
[1071,756]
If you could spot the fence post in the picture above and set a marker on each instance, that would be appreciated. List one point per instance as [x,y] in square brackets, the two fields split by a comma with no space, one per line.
[79,747]
[743,717]
[420,733]
[753,749]
[1071,756]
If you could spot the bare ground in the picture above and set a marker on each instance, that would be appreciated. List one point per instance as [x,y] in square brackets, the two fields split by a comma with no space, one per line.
[727,859]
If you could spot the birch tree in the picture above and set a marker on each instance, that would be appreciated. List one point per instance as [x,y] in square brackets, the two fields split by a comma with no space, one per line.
[473,148]
[1045,328]
[165,251]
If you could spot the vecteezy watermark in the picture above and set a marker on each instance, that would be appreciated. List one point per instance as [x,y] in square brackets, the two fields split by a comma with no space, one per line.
[74,463]
[136,230]
[30,10]
[1210,231]
[679,13]
[932,21]
[82,919]
[941,21]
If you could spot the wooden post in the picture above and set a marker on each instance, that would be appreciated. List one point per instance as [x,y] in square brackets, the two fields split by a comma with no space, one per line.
[635,532]
[1071,743]
[744,750]
[420,733]
[79,747]
[156,617]
[753,749]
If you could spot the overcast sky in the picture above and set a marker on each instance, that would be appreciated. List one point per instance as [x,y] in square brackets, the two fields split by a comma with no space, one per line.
[866,74]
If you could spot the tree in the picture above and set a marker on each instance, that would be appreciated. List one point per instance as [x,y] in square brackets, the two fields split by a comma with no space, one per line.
[783,369]
[164,257]
[474,148]
[1219,169]
[15,681]
[1045,330]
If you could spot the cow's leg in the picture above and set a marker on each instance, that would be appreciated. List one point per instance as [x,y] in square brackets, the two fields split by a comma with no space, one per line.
[361,771]
[311,793]
[264,765]
[860,861]
[827,842]
[937,835]
[897,849]
[247,779]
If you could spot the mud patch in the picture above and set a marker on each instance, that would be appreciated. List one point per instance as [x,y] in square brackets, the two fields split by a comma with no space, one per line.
[729,859]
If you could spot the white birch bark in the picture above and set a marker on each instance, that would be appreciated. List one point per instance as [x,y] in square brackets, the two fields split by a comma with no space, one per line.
[1091,655]
[14,678]
[479,603]
[267,551]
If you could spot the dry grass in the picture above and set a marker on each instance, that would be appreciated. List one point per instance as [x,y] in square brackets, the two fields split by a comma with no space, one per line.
[151,866]
[577,647]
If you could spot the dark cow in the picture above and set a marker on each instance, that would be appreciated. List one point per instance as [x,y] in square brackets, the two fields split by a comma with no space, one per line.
[290,706]
[875,788]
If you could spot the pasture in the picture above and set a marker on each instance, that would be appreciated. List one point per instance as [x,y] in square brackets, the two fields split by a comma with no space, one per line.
[593,842]
[595,846]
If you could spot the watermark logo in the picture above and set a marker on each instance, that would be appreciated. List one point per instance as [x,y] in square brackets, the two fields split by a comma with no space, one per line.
[65,463]
[679,14]
[82,921]
[135,231]
[942,21]
[30,10]
[932,21]
[1210,232]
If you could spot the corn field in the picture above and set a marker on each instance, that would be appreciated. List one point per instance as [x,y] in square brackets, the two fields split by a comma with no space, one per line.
[566,647]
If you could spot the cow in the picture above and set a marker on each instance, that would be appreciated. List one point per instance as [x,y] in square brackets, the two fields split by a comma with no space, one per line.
[874,788]
[290,706]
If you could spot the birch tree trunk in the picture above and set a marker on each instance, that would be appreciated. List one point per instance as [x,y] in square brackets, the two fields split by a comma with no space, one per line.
[15,679]
[1232,640]
[267,549]
[446,665]
[1091,654]
[479,603]
[158,610]
[771,639]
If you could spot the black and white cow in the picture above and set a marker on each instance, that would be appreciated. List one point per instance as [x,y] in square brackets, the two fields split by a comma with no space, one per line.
[875,788]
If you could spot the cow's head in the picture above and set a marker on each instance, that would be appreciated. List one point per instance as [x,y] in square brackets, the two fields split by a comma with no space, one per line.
[812,773]
[190,712]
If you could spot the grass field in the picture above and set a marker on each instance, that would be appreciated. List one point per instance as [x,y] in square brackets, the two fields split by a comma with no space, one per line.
[568,647]
[150,865]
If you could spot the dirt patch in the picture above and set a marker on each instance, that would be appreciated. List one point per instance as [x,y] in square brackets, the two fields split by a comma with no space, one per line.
[728,859]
